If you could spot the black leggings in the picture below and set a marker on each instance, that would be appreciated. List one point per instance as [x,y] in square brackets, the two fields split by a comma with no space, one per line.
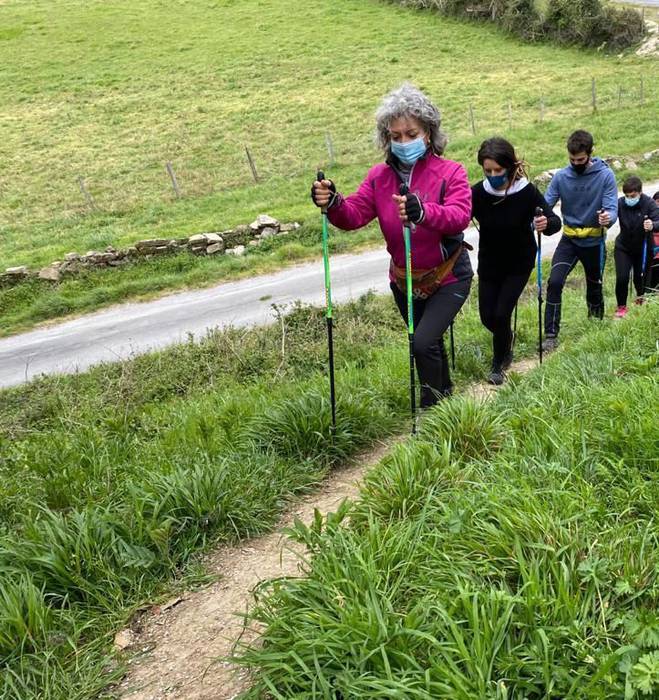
[432,316]
[496,302]
[625,262]
[566,256]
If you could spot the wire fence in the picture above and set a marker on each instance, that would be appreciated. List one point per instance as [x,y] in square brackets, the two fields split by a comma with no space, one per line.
[188,176]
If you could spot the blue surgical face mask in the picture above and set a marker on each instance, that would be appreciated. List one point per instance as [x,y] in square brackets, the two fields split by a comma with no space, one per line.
[498,182]
[409,152]
[632,201]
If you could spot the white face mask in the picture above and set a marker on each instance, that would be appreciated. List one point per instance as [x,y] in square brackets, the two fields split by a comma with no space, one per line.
[632,201]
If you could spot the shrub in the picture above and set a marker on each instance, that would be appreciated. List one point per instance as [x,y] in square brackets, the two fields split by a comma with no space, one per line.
[587,23]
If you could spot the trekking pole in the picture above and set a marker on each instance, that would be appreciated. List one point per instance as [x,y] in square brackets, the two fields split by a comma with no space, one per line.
[602,252]
[600,314]
[452,348]
[538,212]
[410,311]
[320,176]
[512,345]
[644,275]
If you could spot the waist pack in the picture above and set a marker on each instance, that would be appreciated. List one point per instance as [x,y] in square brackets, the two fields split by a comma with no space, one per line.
[582,231]
[427,282]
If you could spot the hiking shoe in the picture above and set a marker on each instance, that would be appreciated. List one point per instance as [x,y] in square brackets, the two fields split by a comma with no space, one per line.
[507,360]
[431,397]
[496,376]
[621,312]
[550,343]
[639,301]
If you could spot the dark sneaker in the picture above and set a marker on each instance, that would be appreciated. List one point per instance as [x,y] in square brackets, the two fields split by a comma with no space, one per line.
[550,343]
[431,397]
[507,360]
[496,376]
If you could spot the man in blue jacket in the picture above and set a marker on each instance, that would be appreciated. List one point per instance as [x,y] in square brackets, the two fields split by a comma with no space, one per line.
[589,205]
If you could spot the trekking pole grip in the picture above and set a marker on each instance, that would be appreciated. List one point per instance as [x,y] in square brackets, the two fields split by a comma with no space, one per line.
[320,176]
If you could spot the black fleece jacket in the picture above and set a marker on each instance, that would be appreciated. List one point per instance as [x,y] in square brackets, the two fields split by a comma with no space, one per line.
[631,236]
[507,242]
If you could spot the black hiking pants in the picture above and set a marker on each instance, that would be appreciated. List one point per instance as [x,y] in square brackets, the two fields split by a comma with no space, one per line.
[566,256]
[627,261]
[432,317]
[496,302]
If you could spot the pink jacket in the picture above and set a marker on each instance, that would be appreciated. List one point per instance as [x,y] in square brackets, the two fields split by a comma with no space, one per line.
[429,176]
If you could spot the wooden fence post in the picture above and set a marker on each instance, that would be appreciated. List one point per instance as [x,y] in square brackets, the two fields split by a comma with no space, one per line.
[172,176]
[251,165]
[85,193]
[330,148]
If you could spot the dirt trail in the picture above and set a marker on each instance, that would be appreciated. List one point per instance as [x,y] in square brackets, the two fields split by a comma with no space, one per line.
[178,650]
[182,646]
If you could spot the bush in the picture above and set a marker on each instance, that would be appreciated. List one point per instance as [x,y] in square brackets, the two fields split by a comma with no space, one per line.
[587,23]
[590,23]
[622,27]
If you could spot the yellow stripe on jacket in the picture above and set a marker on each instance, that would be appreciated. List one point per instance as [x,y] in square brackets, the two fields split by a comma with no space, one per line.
[582,231]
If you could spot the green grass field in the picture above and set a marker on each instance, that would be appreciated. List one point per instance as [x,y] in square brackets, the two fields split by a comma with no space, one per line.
[509,552]
[111,91]
[111,481]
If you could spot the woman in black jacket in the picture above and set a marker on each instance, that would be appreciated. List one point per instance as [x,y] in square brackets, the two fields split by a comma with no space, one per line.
[504,204]
[638,216]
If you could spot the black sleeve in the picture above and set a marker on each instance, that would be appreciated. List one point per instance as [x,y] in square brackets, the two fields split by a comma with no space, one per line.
[475,202]
[554,222]
[653,213]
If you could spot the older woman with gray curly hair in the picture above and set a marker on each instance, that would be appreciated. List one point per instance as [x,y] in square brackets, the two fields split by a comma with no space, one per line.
[437,209]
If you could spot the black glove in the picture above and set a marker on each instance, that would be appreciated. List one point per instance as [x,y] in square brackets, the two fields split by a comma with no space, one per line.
[414,209]
[333,196]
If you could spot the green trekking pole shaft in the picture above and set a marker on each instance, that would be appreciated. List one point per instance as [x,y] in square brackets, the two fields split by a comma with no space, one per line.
[328,306]
[410,311]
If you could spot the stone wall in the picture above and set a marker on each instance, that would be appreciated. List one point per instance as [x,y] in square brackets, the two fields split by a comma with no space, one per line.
[232,242]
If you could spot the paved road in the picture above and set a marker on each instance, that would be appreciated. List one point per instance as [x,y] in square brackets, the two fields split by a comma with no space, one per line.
[130,329]
[647,3]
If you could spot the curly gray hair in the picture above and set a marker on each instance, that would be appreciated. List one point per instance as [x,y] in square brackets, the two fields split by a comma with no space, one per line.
[408,101]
